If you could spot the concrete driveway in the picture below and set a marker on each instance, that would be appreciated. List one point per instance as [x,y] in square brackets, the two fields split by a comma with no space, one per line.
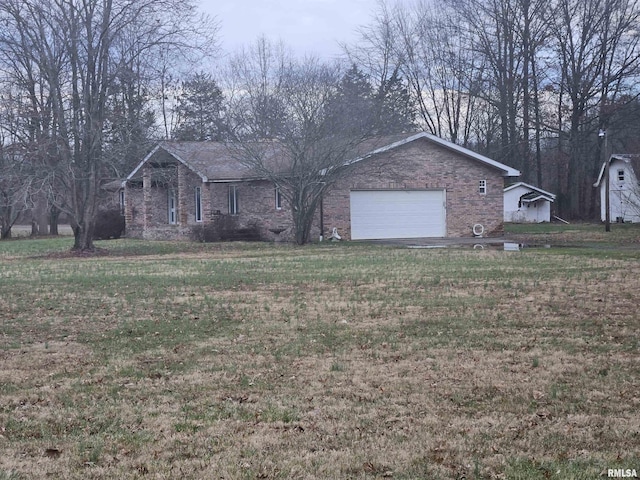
[441,242]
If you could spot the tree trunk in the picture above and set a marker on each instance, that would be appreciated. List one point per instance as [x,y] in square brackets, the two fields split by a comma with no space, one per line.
[83,238]
[54,216]
[40,215]
[6,223]
[5,232]
[302,221]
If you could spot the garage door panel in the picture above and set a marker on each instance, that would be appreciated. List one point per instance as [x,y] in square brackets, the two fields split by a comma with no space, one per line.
[397,214]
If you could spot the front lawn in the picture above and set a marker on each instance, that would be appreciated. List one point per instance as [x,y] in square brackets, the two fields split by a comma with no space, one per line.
[183,360]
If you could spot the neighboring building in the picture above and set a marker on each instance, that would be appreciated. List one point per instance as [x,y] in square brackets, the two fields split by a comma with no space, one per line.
[406,186]
[624,189]
[524,203]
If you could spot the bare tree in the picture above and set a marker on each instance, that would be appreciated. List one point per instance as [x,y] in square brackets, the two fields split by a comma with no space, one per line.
[287,131]
[17,185]
[80,50]
[425,44]
[445,73]
[255,85]
[599,53]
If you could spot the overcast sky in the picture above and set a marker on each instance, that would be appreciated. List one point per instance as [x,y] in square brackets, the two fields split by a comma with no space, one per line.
[306,26]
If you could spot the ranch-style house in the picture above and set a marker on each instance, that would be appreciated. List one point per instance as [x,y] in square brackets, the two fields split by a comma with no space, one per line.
[404,186]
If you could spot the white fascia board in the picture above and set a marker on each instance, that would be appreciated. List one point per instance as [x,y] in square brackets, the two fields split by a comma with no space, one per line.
[174,155]
[600,175]
[237,180]
[507,171]
[552,196]
[144,160]
[539,197]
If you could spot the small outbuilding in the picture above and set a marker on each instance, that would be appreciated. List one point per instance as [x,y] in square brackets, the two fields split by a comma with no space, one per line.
[524,203]
[624,188]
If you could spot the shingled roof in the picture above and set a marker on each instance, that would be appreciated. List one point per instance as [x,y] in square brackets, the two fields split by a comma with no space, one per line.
[220,162]
[534,194]
[212,161]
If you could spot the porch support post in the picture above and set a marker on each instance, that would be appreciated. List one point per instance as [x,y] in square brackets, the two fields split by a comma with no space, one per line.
[182,195]
[128,207]
[207,203]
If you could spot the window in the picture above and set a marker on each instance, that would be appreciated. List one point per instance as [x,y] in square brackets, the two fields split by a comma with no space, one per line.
[621,175]
[233,200]
[121,199]
[278,199]
[172,207]
[198,203]
[482,187]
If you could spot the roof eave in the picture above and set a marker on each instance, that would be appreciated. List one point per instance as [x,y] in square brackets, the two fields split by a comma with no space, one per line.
[170,152]
[531,187]
[139,166]
[506,170]
[539,197]
[234,180]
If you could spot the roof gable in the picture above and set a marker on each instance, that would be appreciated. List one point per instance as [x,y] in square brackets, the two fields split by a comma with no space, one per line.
[405,139]
[538,192]
[633,160]
[211,161]
[534,197]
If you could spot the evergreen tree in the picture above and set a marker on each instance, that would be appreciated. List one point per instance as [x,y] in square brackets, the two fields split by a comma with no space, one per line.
[353,104]
[382,111]
[395,110]
[201,115]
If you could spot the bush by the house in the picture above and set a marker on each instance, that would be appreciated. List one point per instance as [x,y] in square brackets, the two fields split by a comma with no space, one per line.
[225,228]
[109,224]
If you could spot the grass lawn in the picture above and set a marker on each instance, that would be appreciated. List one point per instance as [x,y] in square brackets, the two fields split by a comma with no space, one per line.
[249,361]
[579,234]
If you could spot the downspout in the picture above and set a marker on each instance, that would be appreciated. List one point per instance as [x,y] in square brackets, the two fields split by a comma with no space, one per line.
[321,218]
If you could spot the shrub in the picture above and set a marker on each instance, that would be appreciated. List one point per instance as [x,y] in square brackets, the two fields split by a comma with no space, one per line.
[225,228]
[109,224]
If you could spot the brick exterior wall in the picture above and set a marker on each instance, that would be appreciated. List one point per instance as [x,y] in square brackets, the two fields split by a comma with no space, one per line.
[147,207]
[256,208]
[424,165]
[147,215]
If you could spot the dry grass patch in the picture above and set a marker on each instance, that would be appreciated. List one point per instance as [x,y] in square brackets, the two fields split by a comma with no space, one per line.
[322,362]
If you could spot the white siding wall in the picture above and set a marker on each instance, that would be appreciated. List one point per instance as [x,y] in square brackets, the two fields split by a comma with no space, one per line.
[537,212]
[625,195]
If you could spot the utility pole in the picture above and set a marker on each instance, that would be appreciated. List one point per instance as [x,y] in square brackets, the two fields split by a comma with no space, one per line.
[607,206]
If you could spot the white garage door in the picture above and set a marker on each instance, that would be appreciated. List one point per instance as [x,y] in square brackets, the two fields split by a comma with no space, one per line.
[397,214]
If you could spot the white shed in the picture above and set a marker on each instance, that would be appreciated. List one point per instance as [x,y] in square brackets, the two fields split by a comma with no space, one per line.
[624,189]
[524,203]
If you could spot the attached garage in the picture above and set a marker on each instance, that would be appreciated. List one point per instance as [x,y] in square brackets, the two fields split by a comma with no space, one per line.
[377,214]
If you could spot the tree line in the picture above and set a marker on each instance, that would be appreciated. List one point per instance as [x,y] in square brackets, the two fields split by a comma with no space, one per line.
[88,86]
[530,83]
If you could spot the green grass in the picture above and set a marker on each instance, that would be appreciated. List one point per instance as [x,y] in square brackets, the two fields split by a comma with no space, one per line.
[577,234]
[184,360]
